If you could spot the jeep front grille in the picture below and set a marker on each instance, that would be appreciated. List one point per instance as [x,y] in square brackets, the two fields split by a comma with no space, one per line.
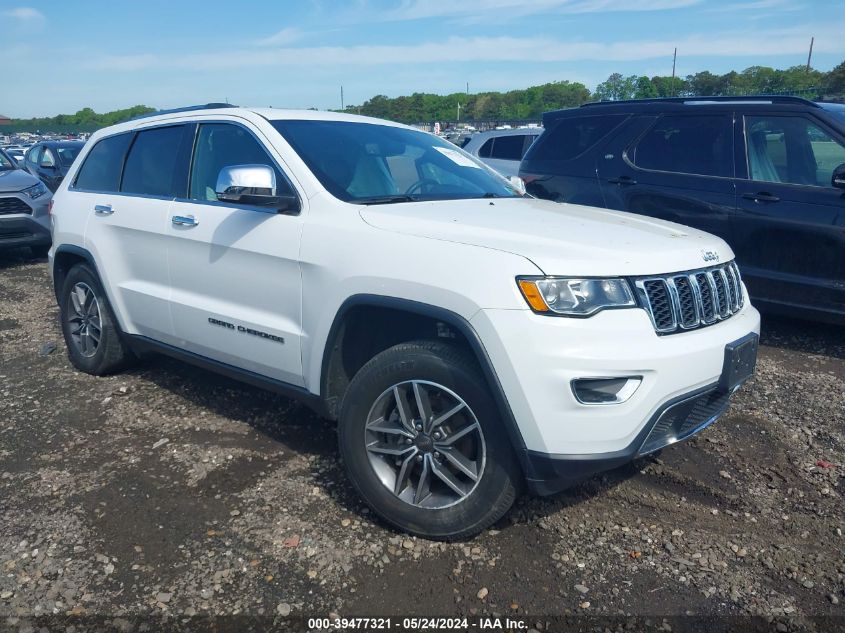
[11,205]
[690,300]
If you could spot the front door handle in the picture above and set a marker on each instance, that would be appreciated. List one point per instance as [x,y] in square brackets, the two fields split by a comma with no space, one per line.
[103,209]
[762,196]
[622,181]
[184,220]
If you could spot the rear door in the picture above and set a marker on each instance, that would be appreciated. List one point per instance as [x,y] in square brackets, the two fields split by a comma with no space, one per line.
[790,225]
[679,168]
[234,268]
[127,204]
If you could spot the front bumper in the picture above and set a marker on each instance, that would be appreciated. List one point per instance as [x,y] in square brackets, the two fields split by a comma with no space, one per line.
[26,229]
[537,357]
[676,421]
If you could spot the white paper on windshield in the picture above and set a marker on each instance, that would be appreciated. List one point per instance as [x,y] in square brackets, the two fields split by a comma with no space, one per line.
[456,157]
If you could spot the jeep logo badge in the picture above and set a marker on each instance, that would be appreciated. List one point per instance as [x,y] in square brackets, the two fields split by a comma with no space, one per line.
[710,256]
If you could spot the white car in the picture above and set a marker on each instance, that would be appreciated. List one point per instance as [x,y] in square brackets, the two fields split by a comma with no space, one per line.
[503,149]
[466,338]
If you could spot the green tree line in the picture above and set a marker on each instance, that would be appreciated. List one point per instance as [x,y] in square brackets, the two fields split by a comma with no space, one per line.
[532,102]
[525,104]
[86,120]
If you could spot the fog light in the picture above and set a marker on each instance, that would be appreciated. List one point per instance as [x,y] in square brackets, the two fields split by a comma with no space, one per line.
[605,390]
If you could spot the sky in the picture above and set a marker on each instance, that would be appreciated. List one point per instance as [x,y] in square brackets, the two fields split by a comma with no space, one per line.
[59,56]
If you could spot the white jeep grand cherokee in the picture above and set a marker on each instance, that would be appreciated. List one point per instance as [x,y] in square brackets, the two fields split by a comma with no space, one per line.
[468,339]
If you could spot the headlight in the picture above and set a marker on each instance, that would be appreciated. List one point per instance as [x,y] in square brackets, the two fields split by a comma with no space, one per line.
[575,297]
[35,191]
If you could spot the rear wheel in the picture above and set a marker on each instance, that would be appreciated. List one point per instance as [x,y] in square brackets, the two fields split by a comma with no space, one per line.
[90,330]
[423,443]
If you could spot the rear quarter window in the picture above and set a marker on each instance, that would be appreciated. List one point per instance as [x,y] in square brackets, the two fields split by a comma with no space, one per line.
[102,166]
[569,137]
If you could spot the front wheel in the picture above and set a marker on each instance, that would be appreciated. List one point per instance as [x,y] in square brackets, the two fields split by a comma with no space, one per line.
[423,443]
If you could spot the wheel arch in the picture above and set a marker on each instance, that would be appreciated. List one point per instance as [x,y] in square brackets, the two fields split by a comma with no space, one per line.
[448,324]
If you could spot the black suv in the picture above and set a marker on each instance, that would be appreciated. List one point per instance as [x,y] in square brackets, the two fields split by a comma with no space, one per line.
[767,174]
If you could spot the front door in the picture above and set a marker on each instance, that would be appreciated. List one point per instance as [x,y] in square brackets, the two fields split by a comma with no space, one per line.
[790,225]
[234,269]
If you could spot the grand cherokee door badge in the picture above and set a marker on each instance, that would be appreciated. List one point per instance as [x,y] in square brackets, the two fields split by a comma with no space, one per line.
[246,330]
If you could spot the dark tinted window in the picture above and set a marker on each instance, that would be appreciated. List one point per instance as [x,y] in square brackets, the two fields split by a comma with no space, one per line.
[687,144]
[791,149]
[151,164]
[508,147]
[486,149]
[101,169]
[222,145]
[571,137]
[68,153]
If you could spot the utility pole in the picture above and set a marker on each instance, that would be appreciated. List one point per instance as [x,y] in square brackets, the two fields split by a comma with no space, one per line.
[459,112]
[341,99]
[674,59]
[467,88]
[810,56]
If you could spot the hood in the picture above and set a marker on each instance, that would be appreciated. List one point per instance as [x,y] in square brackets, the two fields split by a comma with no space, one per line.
[561,239]
[12,180]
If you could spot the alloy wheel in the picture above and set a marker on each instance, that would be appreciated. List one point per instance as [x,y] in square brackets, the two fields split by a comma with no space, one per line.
[425,444]
[83,317]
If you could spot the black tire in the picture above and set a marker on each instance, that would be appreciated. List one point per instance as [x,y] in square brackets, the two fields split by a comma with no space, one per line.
[451,367]
[111,354]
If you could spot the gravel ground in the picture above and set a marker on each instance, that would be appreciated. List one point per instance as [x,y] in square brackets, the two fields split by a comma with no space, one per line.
[170,490]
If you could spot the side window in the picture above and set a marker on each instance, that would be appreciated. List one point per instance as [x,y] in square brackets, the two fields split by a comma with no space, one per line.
[151,165]
[790,149]
[701,145]
[222,145]
[508,147]
[102,166]
[487,149]
[529,141]
[47,158]
[572,136]
[34,154]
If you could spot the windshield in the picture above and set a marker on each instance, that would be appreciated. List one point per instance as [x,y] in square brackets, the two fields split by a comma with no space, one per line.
[68,154]
[5,162]
[375,164]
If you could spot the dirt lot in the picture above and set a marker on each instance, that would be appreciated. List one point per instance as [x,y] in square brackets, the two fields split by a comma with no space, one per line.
[168,489]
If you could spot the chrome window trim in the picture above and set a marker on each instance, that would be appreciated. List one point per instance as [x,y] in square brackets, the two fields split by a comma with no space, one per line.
[185,121]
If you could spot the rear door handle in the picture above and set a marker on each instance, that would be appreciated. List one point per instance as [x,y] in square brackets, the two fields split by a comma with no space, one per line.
[761,196]
[184,220]
[103,209]
[622,181]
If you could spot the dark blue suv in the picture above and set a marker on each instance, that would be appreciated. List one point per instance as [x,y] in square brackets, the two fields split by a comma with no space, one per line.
[767,174]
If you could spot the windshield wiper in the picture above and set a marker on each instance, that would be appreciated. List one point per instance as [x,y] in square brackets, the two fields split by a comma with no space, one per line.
[385,199]
[490,194]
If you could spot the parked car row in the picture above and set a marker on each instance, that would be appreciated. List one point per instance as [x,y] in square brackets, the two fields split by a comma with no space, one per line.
[766,174]
[24,208]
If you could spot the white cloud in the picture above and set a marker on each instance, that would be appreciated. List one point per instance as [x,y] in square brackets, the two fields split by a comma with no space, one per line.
[25,14]
[758,44]
[445,9]
[281,38]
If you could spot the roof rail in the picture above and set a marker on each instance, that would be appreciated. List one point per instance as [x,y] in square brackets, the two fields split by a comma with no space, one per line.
[207,106]
[719,99]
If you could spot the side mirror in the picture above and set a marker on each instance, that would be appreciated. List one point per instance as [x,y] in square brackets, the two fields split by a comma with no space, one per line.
[517,184]
[252,184]
[838,178]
